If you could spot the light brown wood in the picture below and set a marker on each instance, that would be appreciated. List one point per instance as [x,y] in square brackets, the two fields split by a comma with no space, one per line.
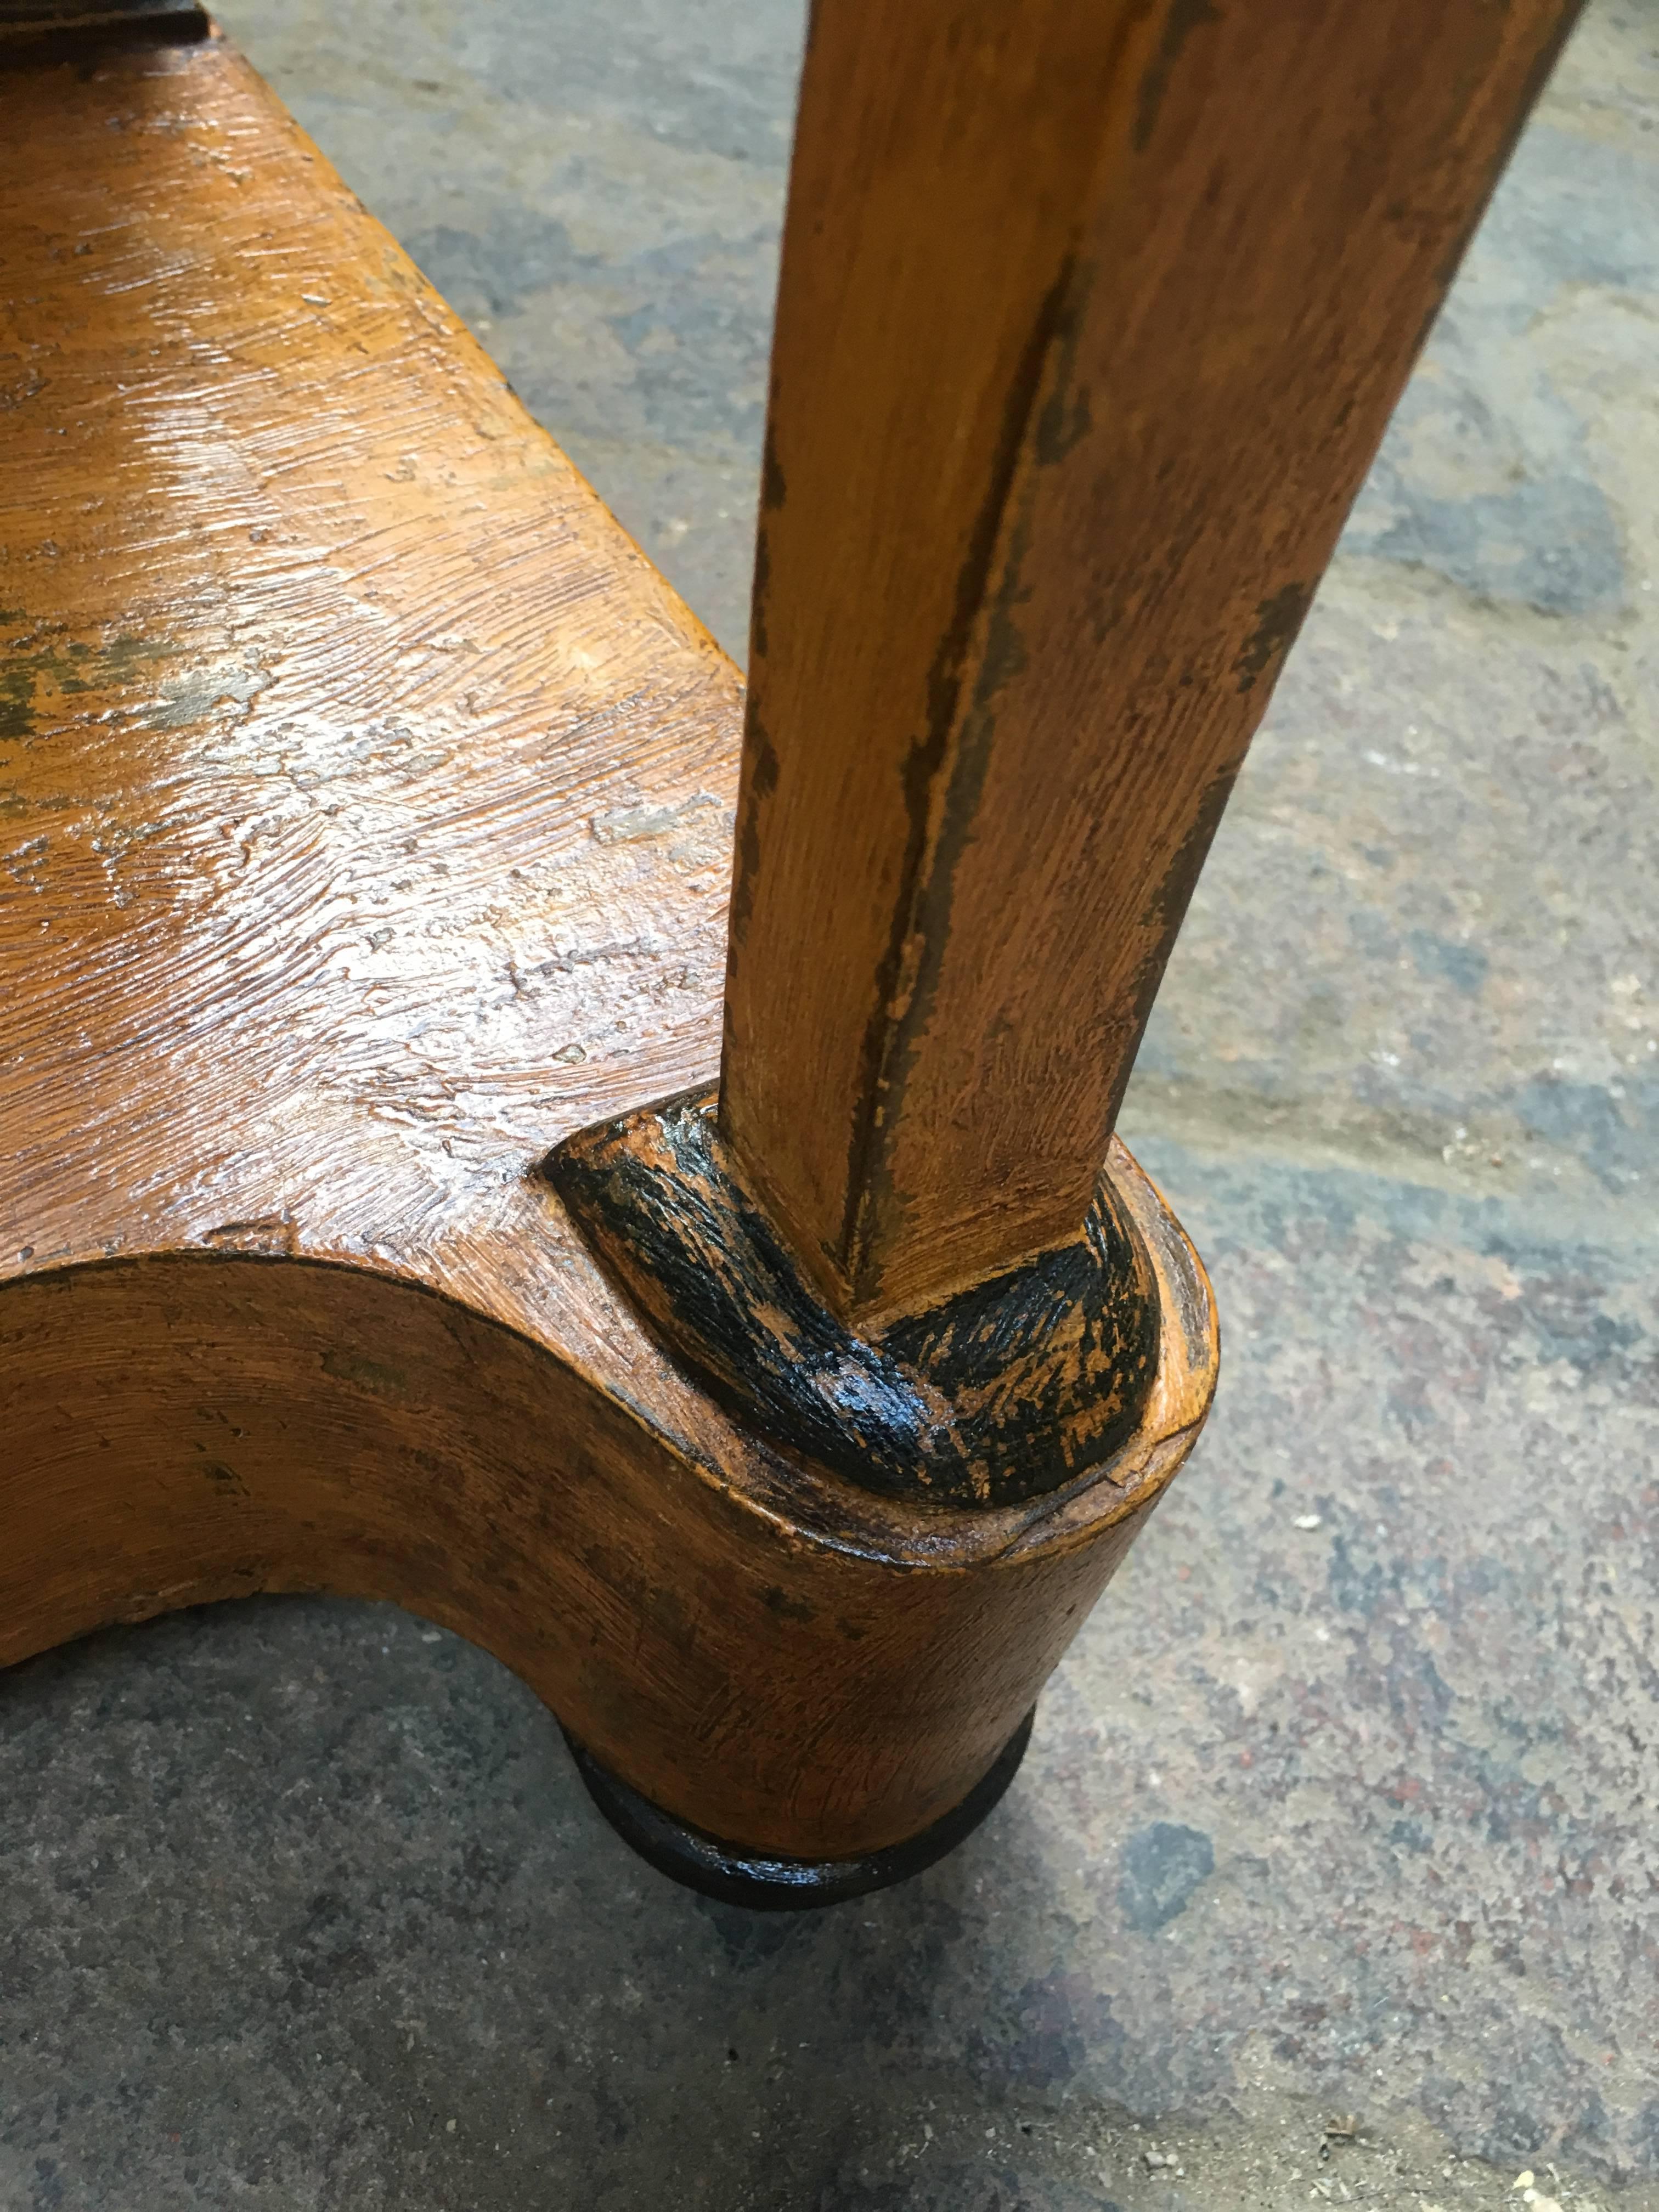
[1090,322]
[365,808]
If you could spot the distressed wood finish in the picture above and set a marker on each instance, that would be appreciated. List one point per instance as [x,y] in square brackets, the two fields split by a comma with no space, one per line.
[1090,322]
[365,816]
[1017,1387]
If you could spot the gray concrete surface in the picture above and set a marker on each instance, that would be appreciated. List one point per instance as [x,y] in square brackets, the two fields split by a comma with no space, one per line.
[1342,1807]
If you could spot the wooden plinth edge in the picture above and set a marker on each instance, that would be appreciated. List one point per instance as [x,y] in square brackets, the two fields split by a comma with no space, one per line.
[368,806]
[780,1660]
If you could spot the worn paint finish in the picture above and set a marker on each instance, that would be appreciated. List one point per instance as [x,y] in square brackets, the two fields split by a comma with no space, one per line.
[1078,369]
[1020,1387]
[366,809]
[18,18]
[250,1853]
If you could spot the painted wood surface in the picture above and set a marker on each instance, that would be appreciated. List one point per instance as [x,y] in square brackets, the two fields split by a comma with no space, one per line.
[1017,1387]
[1090,322]
[365,819]
[22,19]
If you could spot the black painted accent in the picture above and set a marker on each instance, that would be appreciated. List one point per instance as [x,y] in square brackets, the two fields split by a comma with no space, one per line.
[1007,1391]
[36,33]
[28,16]
[785,1885]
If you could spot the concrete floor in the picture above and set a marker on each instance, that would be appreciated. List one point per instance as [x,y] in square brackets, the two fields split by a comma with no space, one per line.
[1341,1809]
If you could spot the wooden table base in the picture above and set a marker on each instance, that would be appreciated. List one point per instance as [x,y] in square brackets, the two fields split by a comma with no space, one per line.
[367,802]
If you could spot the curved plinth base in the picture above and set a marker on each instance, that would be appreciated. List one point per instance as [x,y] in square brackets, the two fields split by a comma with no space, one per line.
[369,808]
[786,1885]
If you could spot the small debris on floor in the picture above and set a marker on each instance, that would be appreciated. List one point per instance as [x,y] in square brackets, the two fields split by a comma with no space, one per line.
[1340,2129]
[1310,1520]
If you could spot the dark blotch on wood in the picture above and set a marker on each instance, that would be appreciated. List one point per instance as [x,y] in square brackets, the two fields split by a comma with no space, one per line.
[1183,19]
[1005,1392]
[1278,620]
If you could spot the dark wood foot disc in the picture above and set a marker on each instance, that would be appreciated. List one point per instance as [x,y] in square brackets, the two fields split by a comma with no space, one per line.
[786,1885]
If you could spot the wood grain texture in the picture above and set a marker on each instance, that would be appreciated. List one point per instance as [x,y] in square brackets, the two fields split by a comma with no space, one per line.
[365,816]
[1090,322]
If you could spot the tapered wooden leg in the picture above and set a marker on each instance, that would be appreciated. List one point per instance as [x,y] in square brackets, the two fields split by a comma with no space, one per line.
[371,1220]
[1090,322]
